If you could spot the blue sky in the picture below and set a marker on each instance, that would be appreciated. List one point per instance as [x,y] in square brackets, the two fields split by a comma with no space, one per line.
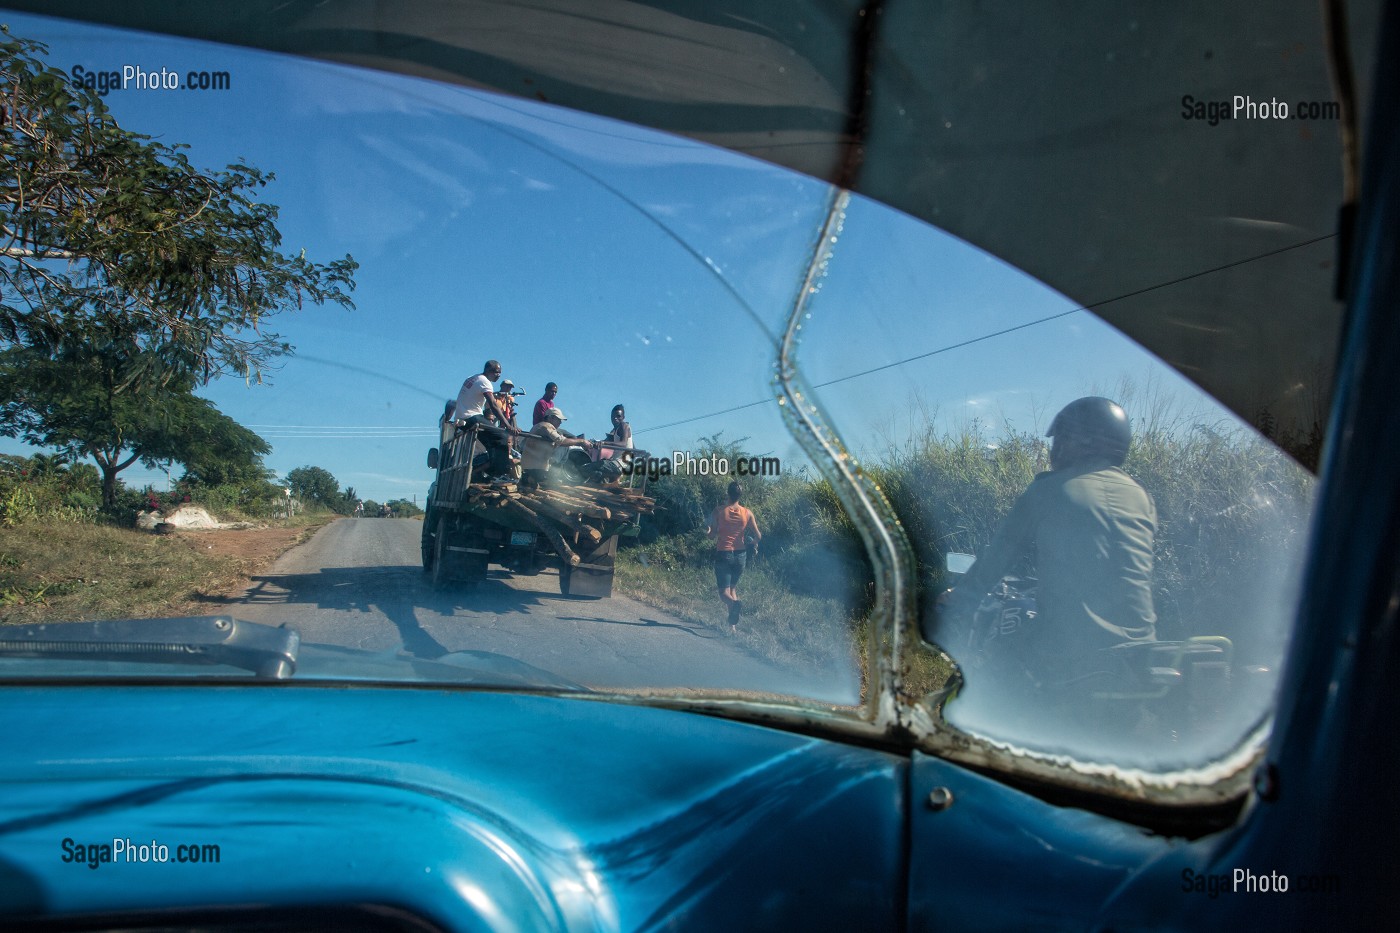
[628,266]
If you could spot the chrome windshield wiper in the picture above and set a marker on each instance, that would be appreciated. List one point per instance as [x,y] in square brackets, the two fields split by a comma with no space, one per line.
[266,651]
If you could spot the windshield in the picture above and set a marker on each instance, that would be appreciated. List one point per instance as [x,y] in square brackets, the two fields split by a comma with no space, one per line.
[600,409]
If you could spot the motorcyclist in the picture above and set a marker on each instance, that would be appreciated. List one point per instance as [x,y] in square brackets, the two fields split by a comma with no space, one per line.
[1088,529]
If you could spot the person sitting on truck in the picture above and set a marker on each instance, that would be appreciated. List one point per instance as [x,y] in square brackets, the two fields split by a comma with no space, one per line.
[620,437]
[474,402]
[539,446]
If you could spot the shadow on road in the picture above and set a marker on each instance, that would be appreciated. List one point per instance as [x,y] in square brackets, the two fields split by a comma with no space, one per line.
[699,631]
[399,594]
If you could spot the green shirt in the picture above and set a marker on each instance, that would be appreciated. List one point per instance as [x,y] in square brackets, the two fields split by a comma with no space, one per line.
[1089,531]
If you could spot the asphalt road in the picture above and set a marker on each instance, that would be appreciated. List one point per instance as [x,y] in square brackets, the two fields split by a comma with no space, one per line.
[359,583]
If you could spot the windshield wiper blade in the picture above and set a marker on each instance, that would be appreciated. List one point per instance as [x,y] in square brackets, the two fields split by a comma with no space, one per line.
[266,651]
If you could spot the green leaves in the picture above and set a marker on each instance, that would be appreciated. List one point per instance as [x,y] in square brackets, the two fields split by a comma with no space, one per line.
[85,402]
[103,227]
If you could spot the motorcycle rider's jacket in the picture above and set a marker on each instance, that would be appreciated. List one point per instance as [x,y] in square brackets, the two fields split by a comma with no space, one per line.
[1088,530]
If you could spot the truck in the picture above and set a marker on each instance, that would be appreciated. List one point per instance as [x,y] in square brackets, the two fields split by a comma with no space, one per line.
[471,524]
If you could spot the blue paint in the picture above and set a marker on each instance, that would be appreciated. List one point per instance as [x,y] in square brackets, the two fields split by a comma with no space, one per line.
[480,810]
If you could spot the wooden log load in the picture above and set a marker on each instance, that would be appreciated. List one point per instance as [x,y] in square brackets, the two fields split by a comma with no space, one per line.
[565,511]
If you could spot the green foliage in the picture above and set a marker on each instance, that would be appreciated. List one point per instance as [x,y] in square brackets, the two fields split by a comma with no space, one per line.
[809,545]
[1228,502]
[404,508]
[128,277]
[72,400]
[100,225]
[315,485]
[951,492]
[44,488]
[252,499]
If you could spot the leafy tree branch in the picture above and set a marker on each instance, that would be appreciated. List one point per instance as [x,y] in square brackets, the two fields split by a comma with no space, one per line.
[104,229]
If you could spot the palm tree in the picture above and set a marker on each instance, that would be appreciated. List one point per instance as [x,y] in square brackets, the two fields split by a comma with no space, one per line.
[44,466]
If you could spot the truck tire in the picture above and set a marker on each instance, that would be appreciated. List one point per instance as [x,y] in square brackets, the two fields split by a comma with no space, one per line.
[452,565]
[429,551]
[441,560]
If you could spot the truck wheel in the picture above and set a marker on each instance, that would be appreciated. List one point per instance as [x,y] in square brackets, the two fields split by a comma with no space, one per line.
[459,555]
[428,543]
[442,558]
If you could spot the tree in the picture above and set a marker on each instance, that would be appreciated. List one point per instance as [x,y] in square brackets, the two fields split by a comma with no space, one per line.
[102,228]
[70,401]
[313,484]
[405,508]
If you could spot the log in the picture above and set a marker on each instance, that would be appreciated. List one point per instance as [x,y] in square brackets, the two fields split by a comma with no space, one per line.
[555,538]
[580,506]
[573,522]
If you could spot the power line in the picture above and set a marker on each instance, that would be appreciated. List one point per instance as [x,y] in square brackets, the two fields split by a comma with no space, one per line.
[1008,330]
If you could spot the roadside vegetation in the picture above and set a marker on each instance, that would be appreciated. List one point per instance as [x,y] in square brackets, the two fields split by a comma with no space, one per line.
[130,277]
[1228,502]
[66,556]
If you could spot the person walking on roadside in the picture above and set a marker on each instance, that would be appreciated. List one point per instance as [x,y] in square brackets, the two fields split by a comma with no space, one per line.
[732,526]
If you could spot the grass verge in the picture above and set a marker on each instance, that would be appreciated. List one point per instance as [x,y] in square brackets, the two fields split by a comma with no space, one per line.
[783,627]
[53,572]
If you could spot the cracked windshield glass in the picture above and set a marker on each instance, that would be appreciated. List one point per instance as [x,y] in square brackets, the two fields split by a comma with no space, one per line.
[472,389]
[456,386]
[1106,557]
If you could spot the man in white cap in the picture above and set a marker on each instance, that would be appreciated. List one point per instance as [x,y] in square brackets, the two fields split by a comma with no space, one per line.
[505,399]
[539,446]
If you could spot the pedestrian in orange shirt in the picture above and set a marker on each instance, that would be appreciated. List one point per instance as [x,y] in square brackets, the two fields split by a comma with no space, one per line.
[731,526]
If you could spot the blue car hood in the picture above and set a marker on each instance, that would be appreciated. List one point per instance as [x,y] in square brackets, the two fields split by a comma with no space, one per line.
[540,812]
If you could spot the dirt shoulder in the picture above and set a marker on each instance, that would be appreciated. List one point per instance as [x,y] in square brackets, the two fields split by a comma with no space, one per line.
[251,550]
[258,547]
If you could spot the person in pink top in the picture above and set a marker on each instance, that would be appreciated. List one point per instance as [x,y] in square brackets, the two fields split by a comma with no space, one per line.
[732,526]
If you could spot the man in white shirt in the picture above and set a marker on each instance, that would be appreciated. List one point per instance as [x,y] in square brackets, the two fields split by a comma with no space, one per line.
[474,401]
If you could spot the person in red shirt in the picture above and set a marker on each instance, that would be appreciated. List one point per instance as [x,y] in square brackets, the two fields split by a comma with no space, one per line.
[543,406]
[733,527]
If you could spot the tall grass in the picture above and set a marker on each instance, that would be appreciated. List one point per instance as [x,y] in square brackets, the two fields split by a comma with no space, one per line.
[1232,512]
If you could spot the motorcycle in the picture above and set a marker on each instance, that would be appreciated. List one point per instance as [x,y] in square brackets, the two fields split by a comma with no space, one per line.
[1166,686]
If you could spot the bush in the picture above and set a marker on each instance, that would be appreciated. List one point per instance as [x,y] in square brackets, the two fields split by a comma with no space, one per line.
[45,489]
[1228,504]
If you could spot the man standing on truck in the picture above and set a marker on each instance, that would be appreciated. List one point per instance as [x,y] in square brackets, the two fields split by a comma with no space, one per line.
[546,403]
[474,403]
[732,526]
[506,403]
